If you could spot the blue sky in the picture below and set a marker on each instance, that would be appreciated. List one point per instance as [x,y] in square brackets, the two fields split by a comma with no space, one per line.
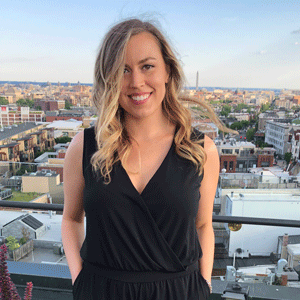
[254,44]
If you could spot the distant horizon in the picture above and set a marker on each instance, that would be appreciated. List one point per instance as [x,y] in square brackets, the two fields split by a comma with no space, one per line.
[185,87]
[249,43]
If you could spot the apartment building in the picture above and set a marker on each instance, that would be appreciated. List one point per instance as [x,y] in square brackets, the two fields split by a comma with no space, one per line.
[277,135]
[19,143]
[240,116]
[295,144]
[236,156]
[21,115]
[50,105]
[64,114]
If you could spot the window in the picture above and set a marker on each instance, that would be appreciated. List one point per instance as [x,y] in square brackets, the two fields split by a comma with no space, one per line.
[231,165]
[227,151]
[225,165]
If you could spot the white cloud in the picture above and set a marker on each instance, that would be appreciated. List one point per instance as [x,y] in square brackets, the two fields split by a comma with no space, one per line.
[261,52]
[296,31]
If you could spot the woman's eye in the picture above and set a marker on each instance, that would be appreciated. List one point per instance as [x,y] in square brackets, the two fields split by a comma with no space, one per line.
[125,71]
[147,67]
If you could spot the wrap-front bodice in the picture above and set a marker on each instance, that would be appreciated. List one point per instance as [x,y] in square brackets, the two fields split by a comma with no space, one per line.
[154,230]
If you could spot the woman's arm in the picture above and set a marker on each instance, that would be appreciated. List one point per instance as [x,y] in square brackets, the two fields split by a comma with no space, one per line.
[72,227]
[204,217]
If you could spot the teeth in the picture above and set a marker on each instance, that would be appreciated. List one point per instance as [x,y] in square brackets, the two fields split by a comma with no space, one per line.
[140,98]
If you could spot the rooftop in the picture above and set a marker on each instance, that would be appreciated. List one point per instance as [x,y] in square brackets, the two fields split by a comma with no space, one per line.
[47,173]
[9,145]
[13,130]
[67,124]
[25,138]
[292,197]
[50,219]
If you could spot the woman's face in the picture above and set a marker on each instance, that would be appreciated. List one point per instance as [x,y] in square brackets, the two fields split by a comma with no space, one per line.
[145,77]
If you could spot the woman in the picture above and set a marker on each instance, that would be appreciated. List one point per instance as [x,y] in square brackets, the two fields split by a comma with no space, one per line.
[138,176]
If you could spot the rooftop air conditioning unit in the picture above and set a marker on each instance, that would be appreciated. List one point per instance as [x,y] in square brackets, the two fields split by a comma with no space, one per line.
[58,248]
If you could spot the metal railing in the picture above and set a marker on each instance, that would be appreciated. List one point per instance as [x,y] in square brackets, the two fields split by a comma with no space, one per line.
[218,219]
[256,292]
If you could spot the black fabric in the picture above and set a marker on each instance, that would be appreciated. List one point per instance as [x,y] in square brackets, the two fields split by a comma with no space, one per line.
[151,231]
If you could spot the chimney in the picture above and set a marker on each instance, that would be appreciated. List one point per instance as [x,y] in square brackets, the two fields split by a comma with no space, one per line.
[285,240]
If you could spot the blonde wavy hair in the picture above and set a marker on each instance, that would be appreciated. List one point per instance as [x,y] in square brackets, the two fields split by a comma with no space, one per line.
[111,135]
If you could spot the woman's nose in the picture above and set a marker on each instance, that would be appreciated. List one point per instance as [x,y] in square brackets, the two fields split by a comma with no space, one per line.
[136,79]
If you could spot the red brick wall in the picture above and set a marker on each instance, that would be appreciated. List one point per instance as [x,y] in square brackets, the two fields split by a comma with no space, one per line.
[265,157]
[61,155]
[53,105]
[228,158]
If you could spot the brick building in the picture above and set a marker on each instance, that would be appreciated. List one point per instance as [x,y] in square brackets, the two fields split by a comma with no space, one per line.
[50,105]
[240,156]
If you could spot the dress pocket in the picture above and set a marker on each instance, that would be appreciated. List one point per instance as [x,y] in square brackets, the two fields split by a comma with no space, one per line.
[205,286]
[77,279]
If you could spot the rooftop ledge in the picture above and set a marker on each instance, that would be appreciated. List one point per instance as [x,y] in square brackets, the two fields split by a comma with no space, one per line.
[52,280]
[56,288]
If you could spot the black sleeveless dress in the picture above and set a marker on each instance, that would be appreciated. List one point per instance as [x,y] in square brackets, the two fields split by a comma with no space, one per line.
[141,246]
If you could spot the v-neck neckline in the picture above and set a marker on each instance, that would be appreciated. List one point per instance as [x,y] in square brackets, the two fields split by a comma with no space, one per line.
[153,176]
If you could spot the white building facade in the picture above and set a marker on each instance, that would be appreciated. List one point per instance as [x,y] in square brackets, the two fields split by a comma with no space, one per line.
[277,135]
[259,240]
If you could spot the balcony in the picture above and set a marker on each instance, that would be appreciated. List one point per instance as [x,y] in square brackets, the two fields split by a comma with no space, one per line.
[52,280]
[47,266]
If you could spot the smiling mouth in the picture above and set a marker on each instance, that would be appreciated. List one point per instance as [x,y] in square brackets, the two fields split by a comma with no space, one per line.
[140,97]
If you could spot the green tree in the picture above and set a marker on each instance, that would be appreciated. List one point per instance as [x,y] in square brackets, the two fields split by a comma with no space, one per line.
[63,140]
[12,243]
[245,123]
[3,101]
[236,125]
[250,134]
[264,107]
[240,106]
[287,157]
[68,105]
[25,102]
[23,169]
[226,109]
[262,144]
[38,153]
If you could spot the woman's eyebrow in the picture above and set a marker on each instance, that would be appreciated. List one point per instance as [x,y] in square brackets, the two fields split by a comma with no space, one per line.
[145,59]
[142,61]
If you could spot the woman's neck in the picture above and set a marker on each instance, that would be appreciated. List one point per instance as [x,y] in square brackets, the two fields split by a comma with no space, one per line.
[148,129]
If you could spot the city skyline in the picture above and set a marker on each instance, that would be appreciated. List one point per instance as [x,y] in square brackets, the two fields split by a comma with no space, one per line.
[246,44]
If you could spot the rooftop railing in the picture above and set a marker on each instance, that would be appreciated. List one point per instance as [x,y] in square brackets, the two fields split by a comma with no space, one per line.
[61,288]
[218,219]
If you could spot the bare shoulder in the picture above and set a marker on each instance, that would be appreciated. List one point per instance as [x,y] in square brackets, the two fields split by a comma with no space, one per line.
[76,145]
[210,146]
[211,151]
